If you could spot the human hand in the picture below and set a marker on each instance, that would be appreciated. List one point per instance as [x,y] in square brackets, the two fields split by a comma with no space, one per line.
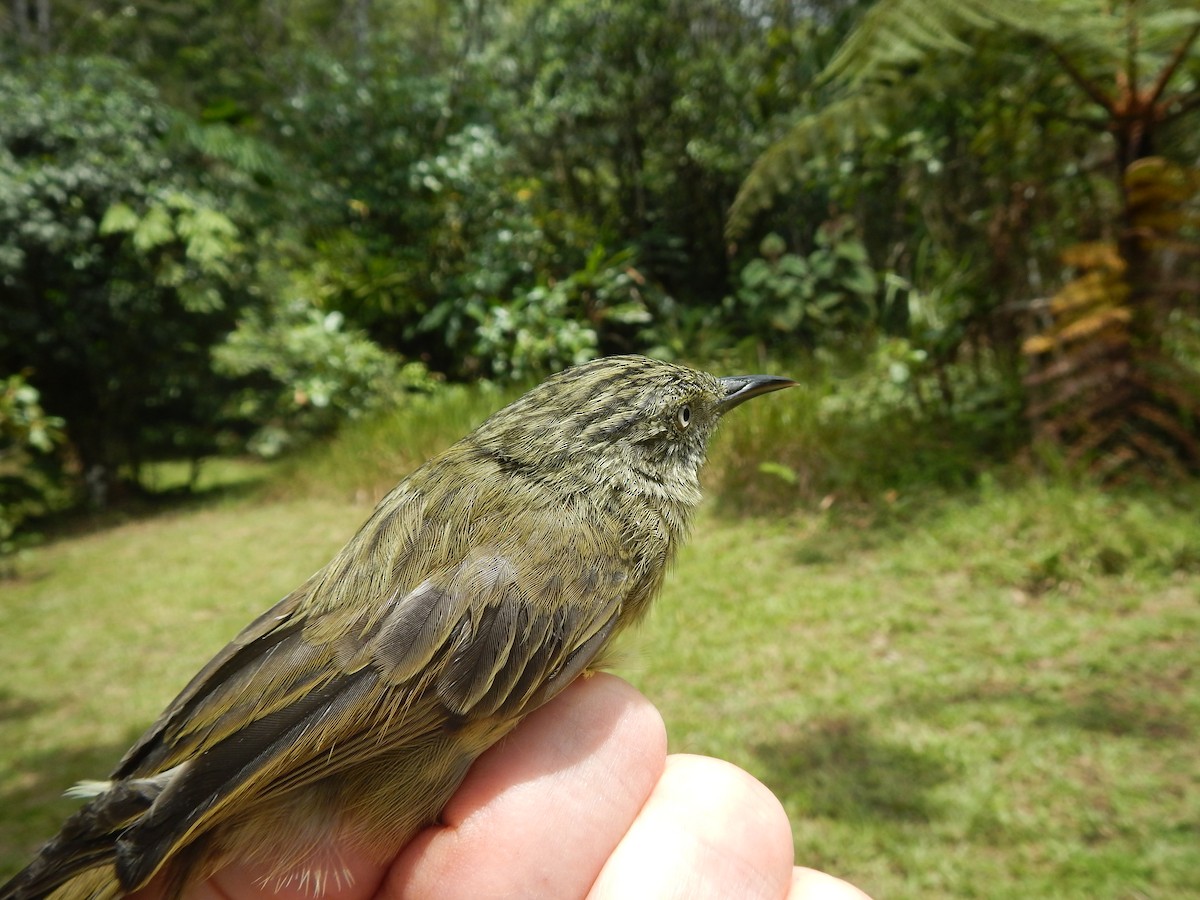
[581,800]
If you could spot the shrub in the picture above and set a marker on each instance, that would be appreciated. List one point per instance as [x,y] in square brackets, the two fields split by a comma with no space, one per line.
[28,487]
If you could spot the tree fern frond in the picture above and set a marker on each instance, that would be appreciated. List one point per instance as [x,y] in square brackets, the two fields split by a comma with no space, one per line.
[894,34]
[895,37]
[836,128]
[1161,30]
[244,153]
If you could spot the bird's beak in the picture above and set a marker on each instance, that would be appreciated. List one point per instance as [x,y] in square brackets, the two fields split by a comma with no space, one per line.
[740,388]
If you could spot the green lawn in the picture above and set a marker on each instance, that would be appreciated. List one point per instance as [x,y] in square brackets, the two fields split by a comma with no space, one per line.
[990,694]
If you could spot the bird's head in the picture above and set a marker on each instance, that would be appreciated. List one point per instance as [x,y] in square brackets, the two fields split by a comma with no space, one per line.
[627,423]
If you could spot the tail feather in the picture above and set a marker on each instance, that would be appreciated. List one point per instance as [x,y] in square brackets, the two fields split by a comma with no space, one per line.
[75,872]
[77,863]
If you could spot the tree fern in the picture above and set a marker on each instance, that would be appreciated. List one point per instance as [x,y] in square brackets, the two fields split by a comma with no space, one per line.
[839,126]
[872,69]
[242,152]
[1102,382]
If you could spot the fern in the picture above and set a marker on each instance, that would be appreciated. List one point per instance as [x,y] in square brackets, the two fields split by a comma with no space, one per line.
[1088,39]
[896,35]
[1104,383]
[241,152]
[836,128]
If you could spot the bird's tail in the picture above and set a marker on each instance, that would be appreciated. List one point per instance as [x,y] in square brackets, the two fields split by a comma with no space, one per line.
[77,863]
[66,873]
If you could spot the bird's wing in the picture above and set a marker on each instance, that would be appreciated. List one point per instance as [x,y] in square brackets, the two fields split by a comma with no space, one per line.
[291,701]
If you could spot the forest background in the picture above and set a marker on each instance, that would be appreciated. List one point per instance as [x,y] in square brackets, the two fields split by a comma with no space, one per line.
[231,226]
[303,231]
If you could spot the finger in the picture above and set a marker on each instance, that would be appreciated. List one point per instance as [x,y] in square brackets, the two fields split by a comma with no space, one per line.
[809,884]
[709,830]
[540,813]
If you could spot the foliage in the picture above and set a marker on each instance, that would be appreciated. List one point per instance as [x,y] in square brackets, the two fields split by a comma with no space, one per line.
[119,270]
[474,158]
[492,240]
[1124,72]
[28,486]
[827,296]
[190,246]
[874,68]
[959,195]
[442,226]
[501,189]
[137,295]
[508,286]
[375,259]
[300,372]
[642,116]
[551,326]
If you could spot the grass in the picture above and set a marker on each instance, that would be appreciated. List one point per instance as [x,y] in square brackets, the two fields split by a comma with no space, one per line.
[992,699]
[988,692]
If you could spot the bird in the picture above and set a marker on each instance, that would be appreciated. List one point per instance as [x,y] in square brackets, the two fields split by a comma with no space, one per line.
[479,587]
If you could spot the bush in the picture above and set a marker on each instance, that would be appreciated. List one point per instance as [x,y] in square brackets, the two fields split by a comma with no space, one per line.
[562,322]
[302,371]
[120,267]
[826,296]
[28,486]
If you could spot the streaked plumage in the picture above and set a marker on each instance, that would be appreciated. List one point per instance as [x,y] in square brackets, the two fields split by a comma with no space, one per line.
[477,590]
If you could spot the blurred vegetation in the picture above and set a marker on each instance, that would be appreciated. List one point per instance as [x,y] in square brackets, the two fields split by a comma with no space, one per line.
[28,438]
[971,228]
[1103,94]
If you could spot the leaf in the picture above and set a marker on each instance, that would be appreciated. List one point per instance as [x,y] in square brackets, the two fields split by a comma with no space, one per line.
[154,230]
[1090,326]
[836,128]
[756,273]
[780,471]
[794,266]
[861,281]
[632,313]
[851,251]
[119,219]
[1038,344]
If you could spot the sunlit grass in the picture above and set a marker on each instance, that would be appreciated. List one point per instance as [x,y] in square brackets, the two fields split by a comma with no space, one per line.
[371,455]
[986,692]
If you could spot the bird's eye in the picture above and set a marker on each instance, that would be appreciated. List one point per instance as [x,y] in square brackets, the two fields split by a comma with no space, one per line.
[684,416]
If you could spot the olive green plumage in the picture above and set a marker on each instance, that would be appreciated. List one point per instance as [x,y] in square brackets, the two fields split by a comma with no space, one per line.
[477,590]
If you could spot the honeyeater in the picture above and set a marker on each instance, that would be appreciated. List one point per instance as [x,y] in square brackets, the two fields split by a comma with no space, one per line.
[480,586]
